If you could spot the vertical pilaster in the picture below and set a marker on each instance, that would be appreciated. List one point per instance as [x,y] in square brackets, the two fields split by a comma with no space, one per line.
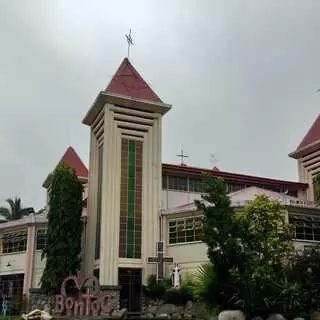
[29,262]
[110,186]
[92,207]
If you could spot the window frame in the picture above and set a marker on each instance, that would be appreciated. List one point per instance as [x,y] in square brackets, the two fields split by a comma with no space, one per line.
[18,241]
[180,230]
[305,229]
[42,237]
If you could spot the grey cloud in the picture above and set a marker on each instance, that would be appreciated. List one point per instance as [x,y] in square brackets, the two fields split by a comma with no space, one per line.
[241,76]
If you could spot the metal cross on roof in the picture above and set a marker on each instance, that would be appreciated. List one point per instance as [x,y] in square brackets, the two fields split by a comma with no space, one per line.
[130,42]
[182,156]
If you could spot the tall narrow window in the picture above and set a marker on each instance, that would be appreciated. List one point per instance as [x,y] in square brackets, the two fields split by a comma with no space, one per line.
[131,193]
[41,239]
[99,201]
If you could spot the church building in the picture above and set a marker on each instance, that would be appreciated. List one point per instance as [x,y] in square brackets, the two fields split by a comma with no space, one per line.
[142,211]
[139,213]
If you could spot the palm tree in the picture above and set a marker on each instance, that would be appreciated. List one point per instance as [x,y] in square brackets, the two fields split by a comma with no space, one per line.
[15,210]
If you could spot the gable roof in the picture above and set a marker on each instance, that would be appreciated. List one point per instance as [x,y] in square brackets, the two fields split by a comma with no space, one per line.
[72,159]
[311,138]
[249,194]
[128,82]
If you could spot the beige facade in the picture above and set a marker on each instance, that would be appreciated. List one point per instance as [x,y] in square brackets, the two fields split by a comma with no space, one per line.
[140,121]
[133,200]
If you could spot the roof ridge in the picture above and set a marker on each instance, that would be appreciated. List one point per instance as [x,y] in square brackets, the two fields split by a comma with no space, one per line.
[72,158]
[127,81]
[312,135]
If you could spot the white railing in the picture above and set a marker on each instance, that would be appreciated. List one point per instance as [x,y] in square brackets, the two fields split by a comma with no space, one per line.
[287,202]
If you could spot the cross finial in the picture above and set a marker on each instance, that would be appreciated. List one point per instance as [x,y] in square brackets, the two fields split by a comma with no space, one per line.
[182,156]
[130,42]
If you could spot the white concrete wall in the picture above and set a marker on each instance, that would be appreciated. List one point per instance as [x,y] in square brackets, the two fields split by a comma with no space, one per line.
[37,269]
[171,198]
[300,244]
[16,263]
[189,256]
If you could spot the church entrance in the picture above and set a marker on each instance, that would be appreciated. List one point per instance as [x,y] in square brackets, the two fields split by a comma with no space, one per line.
[131,288]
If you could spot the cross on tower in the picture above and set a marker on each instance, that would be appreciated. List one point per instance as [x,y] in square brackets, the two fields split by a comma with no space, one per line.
[129,40]
[182,156]
[160,260]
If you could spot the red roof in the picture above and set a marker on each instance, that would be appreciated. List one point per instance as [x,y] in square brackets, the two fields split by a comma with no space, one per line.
[312,135]
[128,82]
[71,158]
[233,177]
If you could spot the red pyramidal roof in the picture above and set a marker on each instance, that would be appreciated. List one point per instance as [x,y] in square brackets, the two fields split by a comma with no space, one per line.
[128,82]
[72,159]
[312,135]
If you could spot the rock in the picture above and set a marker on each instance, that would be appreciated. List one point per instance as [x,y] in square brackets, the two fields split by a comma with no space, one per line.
[189,310]
[276,316]
[148,315]
[166,309]
[152,309]
[257,318]
[298,318]
[119,314]
[232,315]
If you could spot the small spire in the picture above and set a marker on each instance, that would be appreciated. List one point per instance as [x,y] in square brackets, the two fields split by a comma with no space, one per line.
[182,156]
[129,40]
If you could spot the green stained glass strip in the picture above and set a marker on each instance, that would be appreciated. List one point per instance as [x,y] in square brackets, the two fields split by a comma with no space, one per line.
[131,198]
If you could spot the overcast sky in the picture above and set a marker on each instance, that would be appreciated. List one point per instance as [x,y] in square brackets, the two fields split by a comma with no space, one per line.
[241,76]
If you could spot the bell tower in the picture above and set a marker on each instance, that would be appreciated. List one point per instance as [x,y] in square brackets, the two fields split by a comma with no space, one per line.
[307,155]
[125,176]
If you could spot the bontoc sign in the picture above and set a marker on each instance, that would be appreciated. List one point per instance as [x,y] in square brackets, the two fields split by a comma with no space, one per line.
[93,302]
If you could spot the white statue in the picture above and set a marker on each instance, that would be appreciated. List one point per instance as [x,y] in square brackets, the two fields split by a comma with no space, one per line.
[176,278]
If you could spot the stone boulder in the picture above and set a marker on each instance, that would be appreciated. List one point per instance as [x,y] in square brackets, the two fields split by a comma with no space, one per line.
[276,316]
[166,310]
[231,315]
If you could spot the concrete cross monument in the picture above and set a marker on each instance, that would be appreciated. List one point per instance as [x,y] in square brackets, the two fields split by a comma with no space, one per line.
[160,260]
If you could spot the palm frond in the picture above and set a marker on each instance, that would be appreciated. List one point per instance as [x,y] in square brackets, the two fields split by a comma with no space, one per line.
[5,212]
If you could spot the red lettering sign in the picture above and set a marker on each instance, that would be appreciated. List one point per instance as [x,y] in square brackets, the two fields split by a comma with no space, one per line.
[91,303]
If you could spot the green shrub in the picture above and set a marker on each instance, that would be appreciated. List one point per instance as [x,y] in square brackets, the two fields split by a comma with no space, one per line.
[205,285]
[156,289]
[181,295]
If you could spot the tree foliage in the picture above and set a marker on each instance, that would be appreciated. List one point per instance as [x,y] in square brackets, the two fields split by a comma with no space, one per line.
[205,284]
[267,252]
[16,210]
[222,234]
[62,251]
[250,250]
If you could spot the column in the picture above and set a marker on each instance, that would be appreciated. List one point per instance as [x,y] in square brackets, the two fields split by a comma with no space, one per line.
[29,263]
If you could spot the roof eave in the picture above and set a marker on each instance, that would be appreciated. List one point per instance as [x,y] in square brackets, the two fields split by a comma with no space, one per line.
[185,170]
[130,102]
[47,182]
[299,153]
